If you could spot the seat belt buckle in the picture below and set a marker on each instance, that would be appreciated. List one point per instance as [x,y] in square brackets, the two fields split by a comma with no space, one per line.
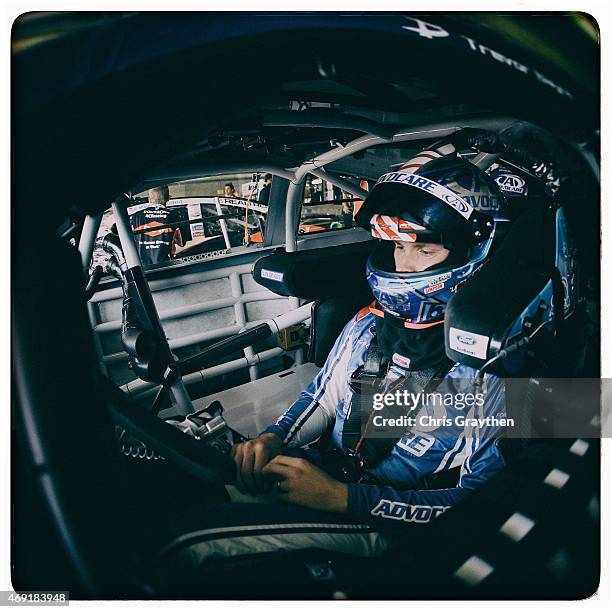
[344,466]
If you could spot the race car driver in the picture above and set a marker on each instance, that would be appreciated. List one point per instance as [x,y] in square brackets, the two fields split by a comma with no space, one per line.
[436,246]
[436,218]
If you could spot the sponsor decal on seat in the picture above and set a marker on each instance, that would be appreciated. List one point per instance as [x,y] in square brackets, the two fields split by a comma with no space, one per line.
[468,343]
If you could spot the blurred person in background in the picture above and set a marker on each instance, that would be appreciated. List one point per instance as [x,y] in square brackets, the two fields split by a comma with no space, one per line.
[264,194]
[158,244]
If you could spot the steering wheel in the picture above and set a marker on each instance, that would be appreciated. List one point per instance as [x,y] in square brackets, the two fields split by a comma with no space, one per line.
[197,457]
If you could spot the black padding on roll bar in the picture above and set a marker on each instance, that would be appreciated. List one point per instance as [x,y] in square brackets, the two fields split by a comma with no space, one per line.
[318,273]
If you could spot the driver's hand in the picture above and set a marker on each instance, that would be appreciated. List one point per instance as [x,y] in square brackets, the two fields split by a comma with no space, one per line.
[250,458]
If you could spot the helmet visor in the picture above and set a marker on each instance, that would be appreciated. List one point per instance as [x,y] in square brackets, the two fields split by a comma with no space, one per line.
[387,227]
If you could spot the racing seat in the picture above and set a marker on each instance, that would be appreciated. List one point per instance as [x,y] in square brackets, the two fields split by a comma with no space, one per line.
[333,277]
[519,317]
[329,316]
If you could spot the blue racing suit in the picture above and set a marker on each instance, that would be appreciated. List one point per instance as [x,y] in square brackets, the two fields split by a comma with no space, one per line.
[399,494]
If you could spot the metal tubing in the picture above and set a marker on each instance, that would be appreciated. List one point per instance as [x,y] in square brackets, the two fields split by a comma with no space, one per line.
[214,334]
[293,205]
[194,309]
[176,281]
[177,343]
[340,182]
[174,313]
[132,258]
[143,389]
[241,319]
[124,229]
[287,319]
[195,170]
[223,224]
[276,325]
[91,225]
[363,142]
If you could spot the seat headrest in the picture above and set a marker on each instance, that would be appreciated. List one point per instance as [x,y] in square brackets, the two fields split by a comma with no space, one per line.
[520,280]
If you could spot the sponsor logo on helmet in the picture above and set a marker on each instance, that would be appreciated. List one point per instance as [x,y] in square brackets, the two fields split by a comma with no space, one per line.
[483,201]
[440,278]
[459,204]
[511,183]
[433,288]
[399,511]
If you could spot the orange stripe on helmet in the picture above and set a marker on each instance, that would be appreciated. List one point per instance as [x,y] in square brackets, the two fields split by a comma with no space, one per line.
[383,226]
[393,228]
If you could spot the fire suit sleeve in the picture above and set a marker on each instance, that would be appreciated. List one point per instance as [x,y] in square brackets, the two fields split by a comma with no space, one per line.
[315,409]
[482,460]
[367,502]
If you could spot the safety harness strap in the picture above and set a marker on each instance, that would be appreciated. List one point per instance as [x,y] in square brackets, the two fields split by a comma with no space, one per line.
[370,374]
[366,381]
[373,450]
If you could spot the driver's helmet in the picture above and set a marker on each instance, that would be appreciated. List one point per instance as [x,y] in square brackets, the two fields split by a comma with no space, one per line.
[436,199]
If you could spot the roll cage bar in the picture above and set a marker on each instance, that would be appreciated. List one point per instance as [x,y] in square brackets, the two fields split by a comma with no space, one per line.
[375,133]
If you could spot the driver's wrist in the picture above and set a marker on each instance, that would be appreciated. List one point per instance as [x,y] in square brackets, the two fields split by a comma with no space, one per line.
[271,439]
[338,499]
